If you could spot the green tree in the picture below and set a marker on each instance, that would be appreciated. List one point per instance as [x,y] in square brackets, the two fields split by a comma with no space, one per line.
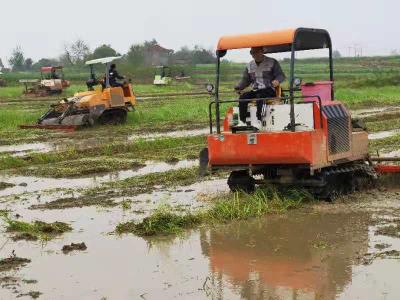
[202,56]
[336,54]
[1,64]
[17,59]
[135,55]
[104,51]
[28,64]
[45,62]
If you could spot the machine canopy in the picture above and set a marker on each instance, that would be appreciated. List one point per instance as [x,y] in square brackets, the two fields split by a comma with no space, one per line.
[277,41]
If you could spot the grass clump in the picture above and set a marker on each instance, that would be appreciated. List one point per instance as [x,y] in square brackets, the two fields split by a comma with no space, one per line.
[35,230]
[263,201]
[242,206]
[5,185]
[162,221]
[80,167]
[64,203]
[13,262]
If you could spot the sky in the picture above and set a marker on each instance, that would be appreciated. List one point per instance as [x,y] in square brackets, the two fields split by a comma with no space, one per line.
[42,27]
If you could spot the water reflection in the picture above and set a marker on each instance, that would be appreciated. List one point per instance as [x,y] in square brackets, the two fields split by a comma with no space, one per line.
[297,256]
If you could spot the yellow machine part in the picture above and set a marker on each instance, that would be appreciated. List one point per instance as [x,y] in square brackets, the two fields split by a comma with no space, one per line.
[110,97]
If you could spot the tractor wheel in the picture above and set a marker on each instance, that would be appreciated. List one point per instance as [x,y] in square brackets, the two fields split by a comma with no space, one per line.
[241,181]
[113,117]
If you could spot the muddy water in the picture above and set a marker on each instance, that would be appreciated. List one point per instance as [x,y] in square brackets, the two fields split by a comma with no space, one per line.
[26,184]
[306,254]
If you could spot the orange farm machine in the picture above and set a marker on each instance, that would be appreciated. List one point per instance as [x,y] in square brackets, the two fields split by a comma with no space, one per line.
[307,138]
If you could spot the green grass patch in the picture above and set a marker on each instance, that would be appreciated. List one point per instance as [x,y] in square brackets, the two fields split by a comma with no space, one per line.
[383,125]
[35,230]
[237,206]
[385,145]
[241,206]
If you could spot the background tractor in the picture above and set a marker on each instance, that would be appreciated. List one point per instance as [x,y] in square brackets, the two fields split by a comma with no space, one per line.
[162,76]
[102,103]
[51,82]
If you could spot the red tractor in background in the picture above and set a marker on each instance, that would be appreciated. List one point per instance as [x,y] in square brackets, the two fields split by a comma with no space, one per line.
[307,138]
[51,82]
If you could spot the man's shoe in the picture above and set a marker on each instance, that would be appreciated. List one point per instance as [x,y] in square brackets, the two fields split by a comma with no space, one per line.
[241,124]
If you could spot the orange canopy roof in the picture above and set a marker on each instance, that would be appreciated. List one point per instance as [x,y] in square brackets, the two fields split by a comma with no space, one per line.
[278,41]
[268,39]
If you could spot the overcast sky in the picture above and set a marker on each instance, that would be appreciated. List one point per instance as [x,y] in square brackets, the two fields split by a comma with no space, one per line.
[41,27]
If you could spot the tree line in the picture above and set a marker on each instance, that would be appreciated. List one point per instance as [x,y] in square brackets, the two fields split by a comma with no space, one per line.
[77,52]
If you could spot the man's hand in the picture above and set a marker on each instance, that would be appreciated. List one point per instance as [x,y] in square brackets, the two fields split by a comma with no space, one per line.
[275,83]
[237,89]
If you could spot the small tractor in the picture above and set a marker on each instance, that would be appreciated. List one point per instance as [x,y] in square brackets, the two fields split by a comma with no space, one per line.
[102,103]
[162,76]
[307,138]
[51,82]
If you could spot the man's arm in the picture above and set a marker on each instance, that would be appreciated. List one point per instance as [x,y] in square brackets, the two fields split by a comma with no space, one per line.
[116,75]
[244,82]
[278,73]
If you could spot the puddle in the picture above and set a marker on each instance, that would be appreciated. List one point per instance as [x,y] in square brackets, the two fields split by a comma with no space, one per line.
[298,255]
[383,134]
[24,184]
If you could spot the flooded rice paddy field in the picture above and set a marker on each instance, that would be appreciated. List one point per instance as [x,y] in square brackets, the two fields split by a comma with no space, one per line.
[343,250]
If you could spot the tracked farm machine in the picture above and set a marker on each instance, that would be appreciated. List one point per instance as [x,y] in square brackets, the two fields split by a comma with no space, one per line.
[102,103]
[307,138]
[51,82]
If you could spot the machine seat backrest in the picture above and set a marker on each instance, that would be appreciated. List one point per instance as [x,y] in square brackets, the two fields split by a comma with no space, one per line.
[117,97]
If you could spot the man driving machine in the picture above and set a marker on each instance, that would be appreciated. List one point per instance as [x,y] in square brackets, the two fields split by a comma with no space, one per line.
[264,74]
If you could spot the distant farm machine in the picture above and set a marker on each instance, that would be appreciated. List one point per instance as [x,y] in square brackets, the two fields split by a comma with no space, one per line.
[162,76]
[51,82]
[306,139]
[101,104]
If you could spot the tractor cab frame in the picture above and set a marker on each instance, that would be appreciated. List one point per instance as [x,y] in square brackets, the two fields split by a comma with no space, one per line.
[52,71]
[291,40]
